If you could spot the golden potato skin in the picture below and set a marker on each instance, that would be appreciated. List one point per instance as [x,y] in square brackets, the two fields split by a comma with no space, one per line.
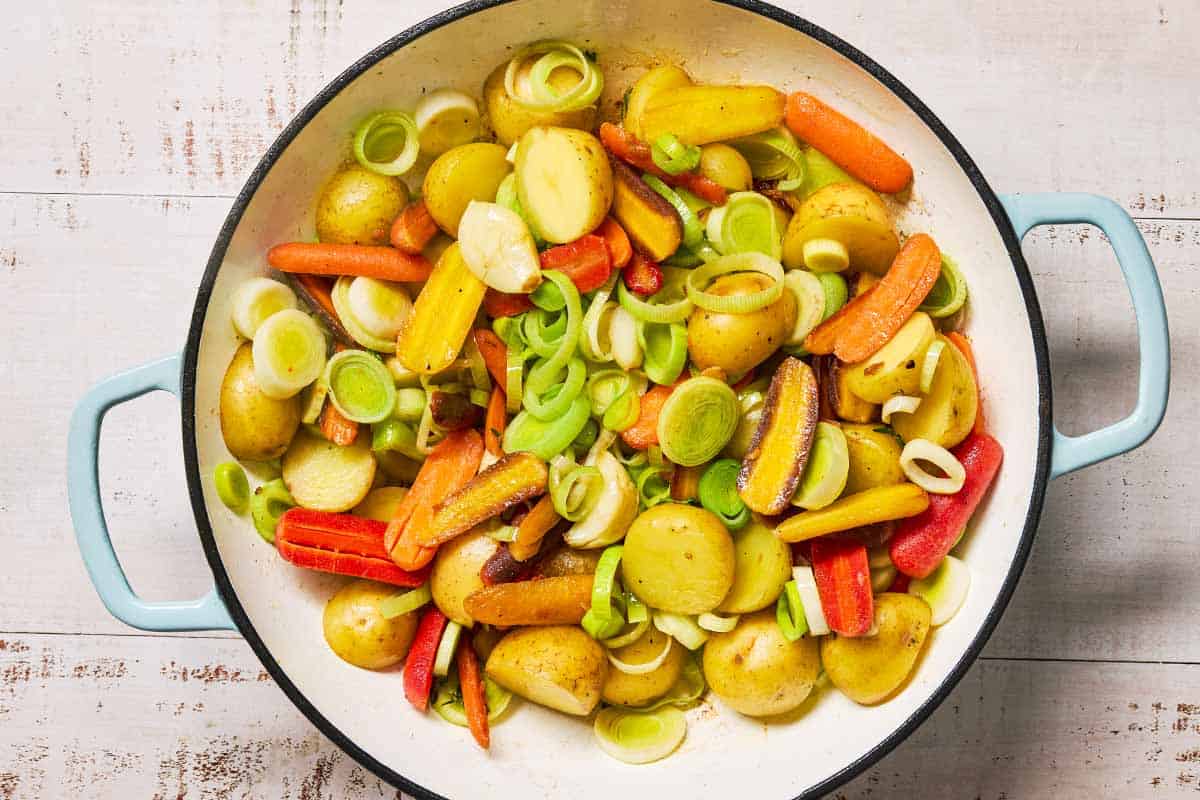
[756,671]
[658,79]
[874,457]
[458,176]
[853,215]
[678,558]
[358,206]
[737,342]
[763,565]
[558,666]
[359,634]
[381,503]
[255,427]
[869,669]
[947,412]
[637,690]
[509,120]
[726,167]
[456,572]
[569,561]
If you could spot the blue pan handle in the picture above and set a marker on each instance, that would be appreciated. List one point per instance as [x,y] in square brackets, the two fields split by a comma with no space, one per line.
[91,531]
[1027,211]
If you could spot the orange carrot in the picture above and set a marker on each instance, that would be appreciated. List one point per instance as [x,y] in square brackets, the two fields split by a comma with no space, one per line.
[470,683]
[335,427]
[619,248]
[964,346]
[493,424]
[501,304]
[644,432]
[413,229]
[384,263]
[494,352]
[453,462]
[685,483]
[533,528]
[848,144]
[866,323]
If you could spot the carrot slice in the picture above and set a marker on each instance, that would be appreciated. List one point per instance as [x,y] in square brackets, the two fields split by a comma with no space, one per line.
[495,422]
[644,432]
[335,427]
[447,469]
[868,321]
[413,229]
[494,352]
[470,683]
[540,520]
[848,144]
[384,263]
[619,248]
[964,346]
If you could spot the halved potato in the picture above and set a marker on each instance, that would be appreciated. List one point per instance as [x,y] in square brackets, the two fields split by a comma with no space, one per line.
[763,564]
[837,401]
[558,666]
[703,114]
[895,368]
[509,119]
[564,182]
[947,412]
[849,213]
[656,80]
[327,477]
[868,669]
[874,458]
[649,220]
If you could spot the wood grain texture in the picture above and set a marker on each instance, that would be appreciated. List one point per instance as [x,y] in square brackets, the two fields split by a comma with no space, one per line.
[1044,95]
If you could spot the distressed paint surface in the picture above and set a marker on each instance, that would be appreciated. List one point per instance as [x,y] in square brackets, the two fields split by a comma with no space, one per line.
[115,184]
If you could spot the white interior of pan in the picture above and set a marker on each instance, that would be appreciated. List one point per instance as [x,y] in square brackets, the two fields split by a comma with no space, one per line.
[535,752]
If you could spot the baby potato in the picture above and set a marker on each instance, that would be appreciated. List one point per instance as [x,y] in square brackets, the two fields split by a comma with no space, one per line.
[849,213]
[638,690]
[557,666]
[678,558]
[358,206]
[725,166]
[656,80]
[510,120]
[255,427]
[359,634]
[896,367]
[564,182]
[867,669]
[874,458]
[569,561]
[763,564]
[456,572]
[737,342]
[325,476]
[380,504]
[756,671]
[947,412]
[458,176]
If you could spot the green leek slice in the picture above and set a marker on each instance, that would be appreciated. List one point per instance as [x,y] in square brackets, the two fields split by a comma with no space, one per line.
[693,231]
[774,155]
[697,420]
[717,491]
[255,300]
[288,353]
[546,439]
[827,470]
[949,292]
[684,629]
[387,143]
[747,223]
[267,505]
[664,349]
[673,156]
[639,737]
[527,77]
[446,648]
[699,278]
[789,613]
[836,293]
[401,604]
[360,386]
[447,700]
[232,487]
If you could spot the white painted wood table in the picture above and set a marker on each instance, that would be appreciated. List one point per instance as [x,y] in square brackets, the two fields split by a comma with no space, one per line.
[127,127]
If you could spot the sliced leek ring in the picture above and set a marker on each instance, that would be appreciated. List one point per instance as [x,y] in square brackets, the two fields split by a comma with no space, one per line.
[288,353]
[372,311]
[639,737]
[925,450]
[257,299]
[645,667]
[446,118]
[810,303]
[810,598]
[944,589]
[898,404]
[827,470]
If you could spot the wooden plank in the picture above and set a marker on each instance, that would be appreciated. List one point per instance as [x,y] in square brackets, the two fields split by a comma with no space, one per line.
[151,716]
[182,98]
[128,298]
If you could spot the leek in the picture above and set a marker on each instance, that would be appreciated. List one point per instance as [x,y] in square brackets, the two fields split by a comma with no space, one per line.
[267,505]
[774,155]
[360,386]
[257,299]
[747,223]
[697,420]
[446,648]
[527,78]
[401,604]
[693,231]
[673,156]
[718,493]
[288,353]
[639,737]
[664,349]
[699,278]
[789,613]
[387,143]
[949,292]
[232,487]
[546,439]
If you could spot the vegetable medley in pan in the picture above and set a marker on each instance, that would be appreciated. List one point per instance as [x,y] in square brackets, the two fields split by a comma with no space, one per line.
[609,414]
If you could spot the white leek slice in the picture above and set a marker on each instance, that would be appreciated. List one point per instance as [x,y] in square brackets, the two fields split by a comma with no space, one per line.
[288,353]
[925,450]
[898,404]
[446,647]
[639,737]
[446,118]
[622,332]
[827,470]
[682,628]
[825,255]
[717,623]
[645,667]
[372,311]
[614,510]
[944,589]
[930,363]
[810,598]
[257,299]
[810,303]
[498,249]
[629,637]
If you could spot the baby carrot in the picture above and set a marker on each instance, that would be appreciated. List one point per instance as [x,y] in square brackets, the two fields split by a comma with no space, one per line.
[470,683]
[533,528]
[413,229]
[494,352]
[645,431]
[493,424]
[335,427]
[384,263]
[848,144]
[619,248]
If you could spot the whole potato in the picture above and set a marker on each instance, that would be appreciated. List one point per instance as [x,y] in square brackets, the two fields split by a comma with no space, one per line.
[557,666]
[458,176]
[737,342]
[849,213]
[359,634]
[358,206]
[874,457]
[456,572]
[255,427]
[867,669]
[756,671]
[509,119]
[763,565]
[726,167]
[678,558]
[625,689]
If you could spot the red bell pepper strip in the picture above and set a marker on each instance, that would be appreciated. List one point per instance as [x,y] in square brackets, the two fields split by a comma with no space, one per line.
[501,304]
[418,668]
[629,149]
[586,261]
[642,276]
[921,542]
[843,578]
[342,544]
[474,697]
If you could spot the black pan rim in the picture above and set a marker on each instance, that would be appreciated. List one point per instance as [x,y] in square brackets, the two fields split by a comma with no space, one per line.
[987,195]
